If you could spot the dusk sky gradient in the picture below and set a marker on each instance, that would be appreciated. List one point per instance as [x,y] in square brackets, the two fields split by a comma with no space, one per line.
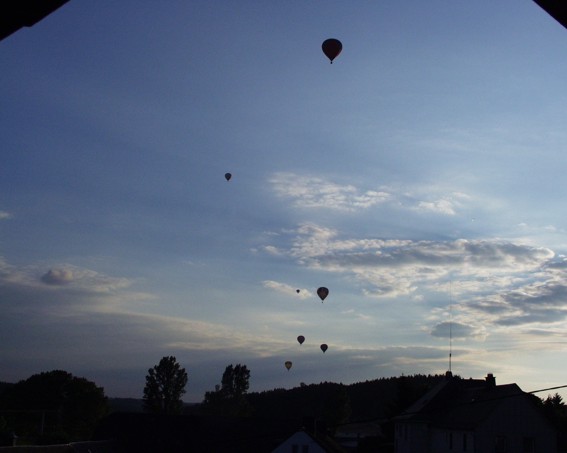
[420,177]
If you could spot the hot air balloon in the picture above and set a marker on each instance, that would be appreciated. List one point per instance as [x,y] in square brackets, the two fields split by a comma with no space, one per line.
[297,291]
[324,347]
[301,339]
[288,365]
[227,176]
[322,293]
[332,48]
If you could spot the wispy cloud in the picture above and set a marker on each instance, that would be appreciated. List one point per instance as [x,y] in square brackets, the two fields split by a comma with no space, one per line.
[394,267]
[497,282]
[284,288]
[314,192]
[81,311]
[443,206]
[309,192]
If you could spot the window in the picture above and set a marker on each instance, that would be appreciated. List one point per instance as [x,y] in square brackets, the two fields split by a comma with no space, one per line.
[528,445]
[501,444]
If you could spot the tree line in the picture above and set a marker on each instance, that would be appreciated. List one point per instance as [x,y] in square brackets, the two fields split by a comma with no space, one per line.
[57,407]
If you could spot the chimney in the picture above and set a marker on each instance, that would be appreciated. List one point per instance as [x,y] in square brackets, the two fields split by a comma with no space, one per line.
[490,381]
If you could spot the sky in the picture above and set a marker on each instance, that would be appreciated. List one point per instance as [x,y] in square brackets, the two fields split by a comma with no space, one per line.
[420,178]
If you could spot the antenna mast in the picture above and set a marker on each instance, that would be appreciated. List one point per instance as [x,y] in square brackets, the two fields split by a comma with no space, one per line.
[450,323]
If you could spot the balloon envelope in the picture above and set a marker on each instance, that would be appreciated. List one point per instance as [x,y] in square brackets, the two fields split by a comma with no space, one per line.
[301,339]
[297,291]
[227,176]
[332,48]
[324,347]
[322,293]
[288,365]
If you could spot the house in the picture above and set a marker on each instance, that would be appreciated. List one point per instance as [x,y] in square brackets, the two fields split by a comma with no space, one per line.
[307,442]
[474,415]
[350,436]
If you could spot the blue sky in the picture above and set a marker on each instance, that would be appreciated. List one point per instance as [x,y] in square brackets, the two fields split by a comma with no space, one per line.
[420,177]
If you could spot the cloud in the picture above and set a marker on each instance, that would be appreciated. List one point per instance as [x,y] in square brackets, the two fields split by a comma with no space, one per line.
[535,303]
[57,277]
[394,267]
[309,192]
[439,206]
[83,319]
[314,192]
[55,292]
[5,215]
[287,289]
[453,329]
[496,283]
[84,279]
[272,250]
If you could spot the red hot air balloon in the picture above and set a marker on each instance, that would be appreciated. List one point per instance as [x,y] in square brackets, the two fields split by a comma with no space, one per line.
[227,176]
[324,347]
[332,48]
[301,339]
[322,293]
[288,365]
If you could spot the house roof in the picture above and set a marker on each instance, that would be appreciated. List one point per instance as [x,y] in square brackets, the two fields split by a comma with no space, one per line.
[460,403]
[323,441]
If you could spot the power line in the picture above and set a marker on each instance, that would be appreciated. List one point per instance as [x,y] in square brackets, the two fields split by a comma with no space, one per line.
[547,389]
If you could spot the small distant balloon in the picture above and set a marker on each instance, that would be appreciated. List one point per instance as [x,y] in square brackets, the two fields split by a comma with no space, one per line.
[288,365]
[227,176]
[332,48]
[322,293]
[300,339]
[297,291]
[324,347]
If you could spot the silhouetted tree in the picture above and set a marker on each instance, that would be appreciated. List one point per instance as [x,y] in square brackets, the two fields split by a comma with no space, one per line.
[165,384]
[554,402]
[235,380]
[55,407]
[230,397]
[556,411]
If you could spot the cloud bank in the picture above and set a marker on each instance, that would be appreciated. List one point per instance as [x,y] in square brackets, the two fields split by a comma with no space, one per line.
[494,282]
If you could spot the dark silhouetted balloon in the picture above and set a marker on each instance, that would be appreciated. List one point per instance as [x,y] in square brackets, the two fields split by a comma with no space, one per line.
[322,293]
[324,347]
[332,48]
[301,339]
[288,365]
[297,291]
[227,176]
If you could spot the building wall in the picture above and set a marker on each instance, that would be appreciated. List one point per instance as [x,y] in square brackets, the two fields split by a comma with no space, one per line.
[412,438]
[513,423]
[453,441]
